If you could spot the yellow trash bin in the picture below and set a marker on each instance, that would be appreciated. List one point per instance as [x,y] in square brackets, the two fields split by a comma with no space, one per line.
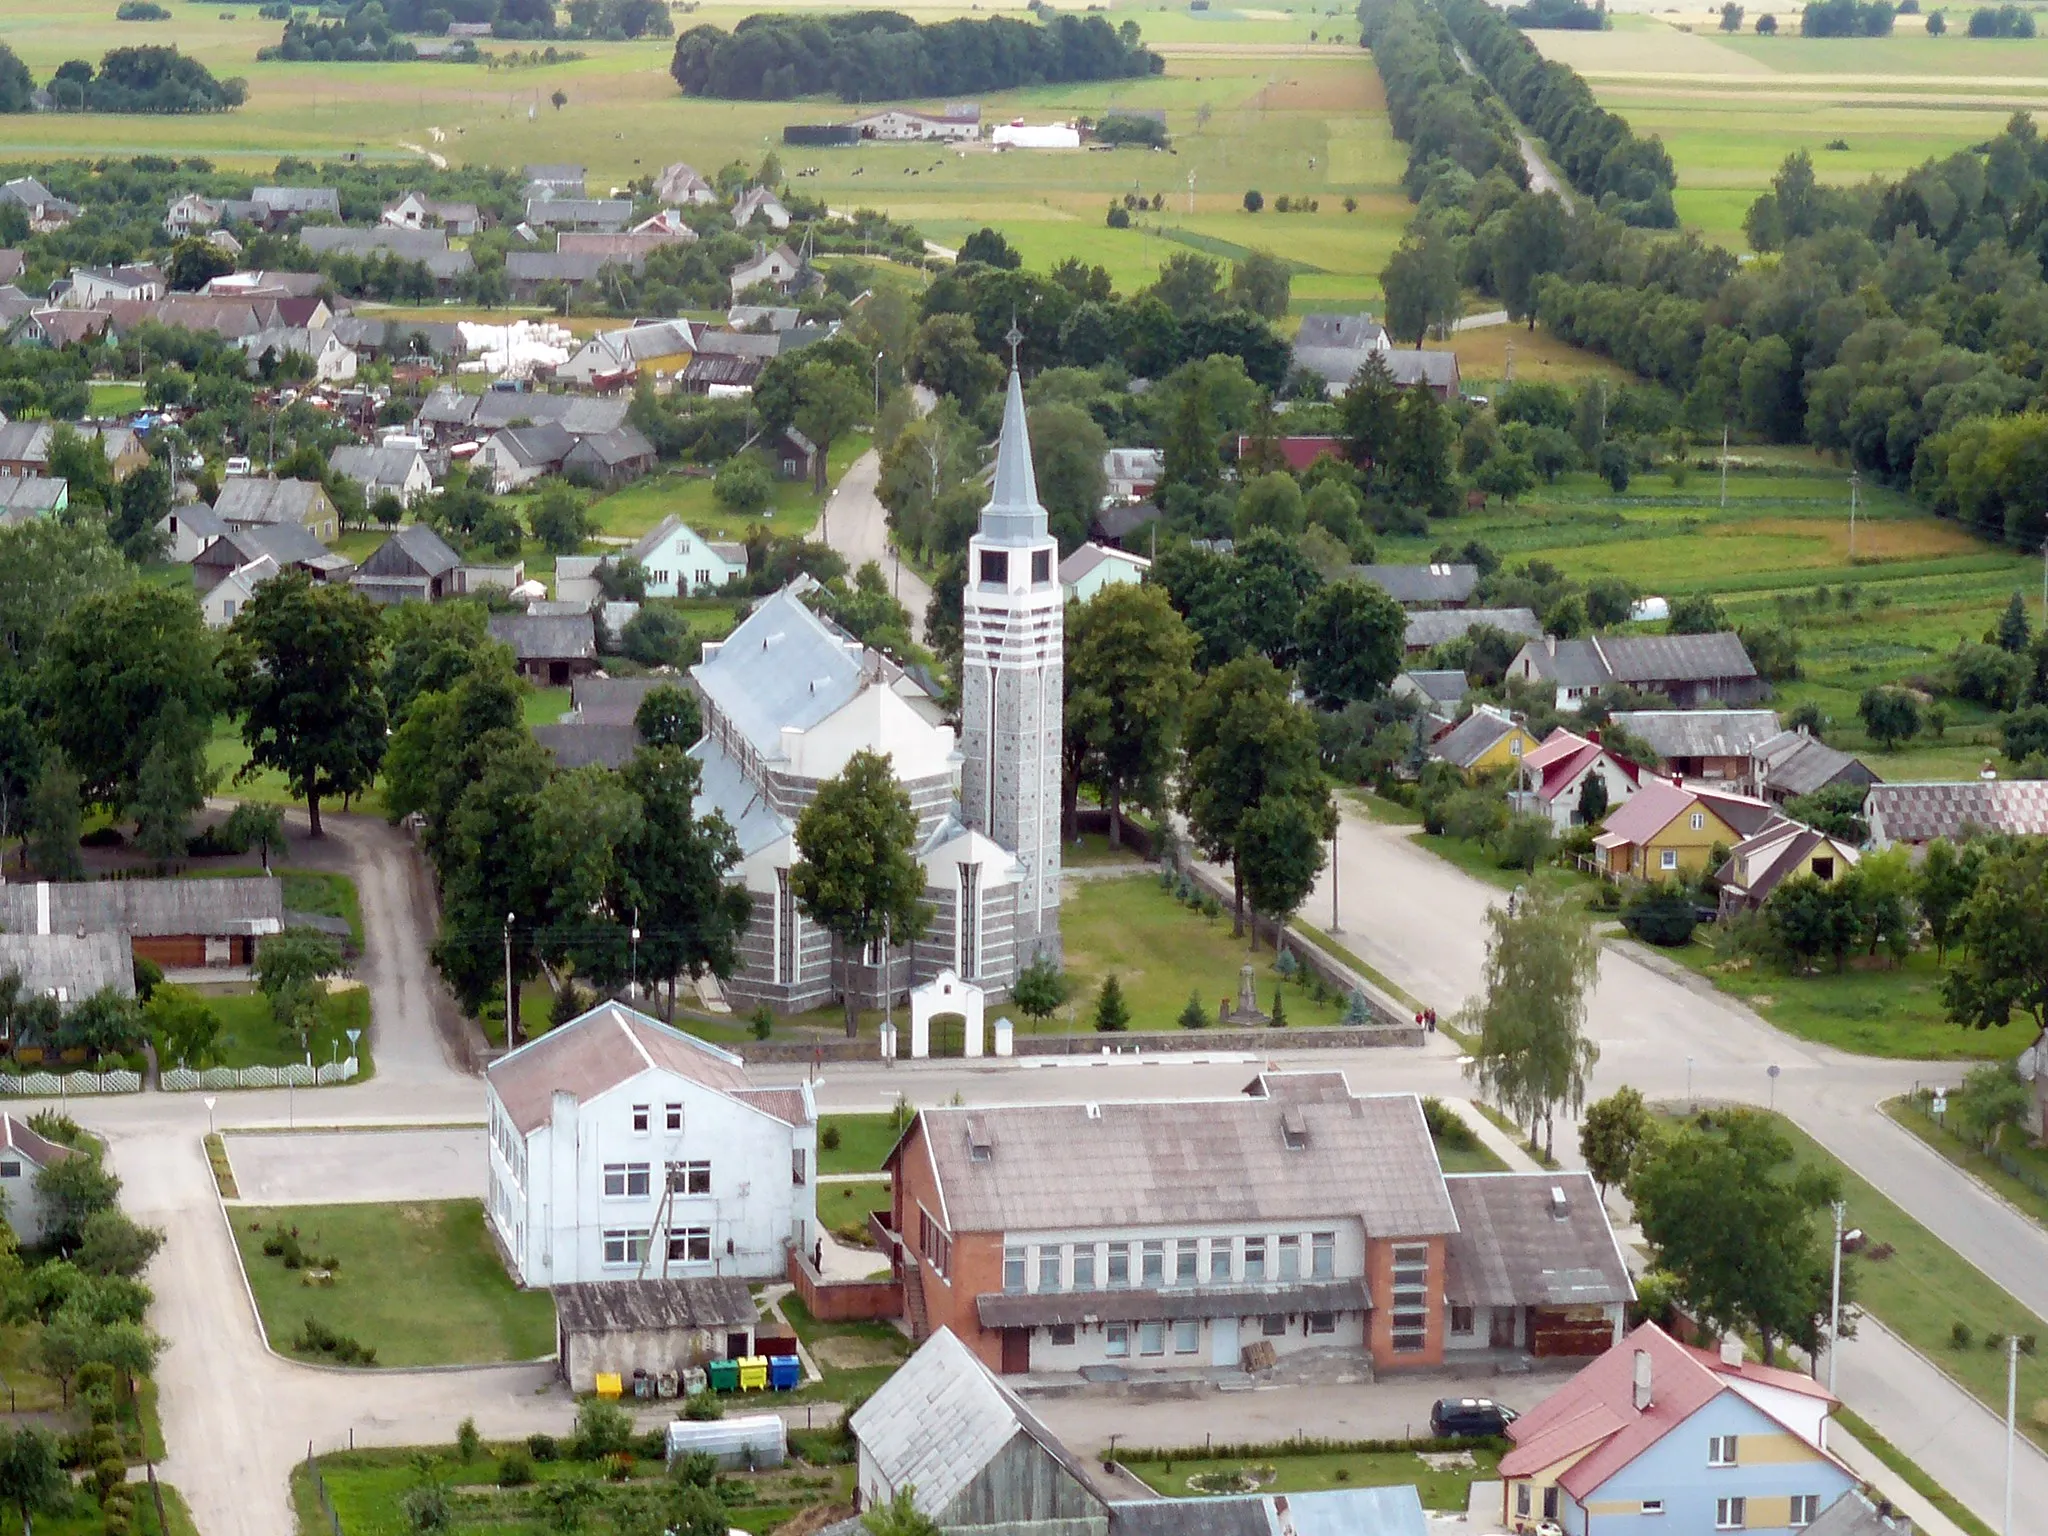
[608,1384]
[754,1373]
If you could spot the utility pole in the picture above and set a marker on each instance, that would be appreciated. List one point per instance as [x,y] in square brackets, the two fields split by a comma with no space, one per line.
[1334,926]
[511,999]
[635,973]
[1835,1300]
[2012,1391]
[1724,466]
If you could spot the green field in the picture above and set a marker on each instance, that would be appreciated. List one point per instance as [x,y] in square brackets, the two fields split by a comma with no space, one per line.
[250,1036]
[1730,108]
[420,1283]
[1441,1488]
[1251,101]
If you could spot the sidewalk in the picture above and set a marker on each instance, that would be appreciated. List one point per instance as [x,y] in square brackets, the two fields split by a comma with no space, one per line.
[1926,1519]
[1492,1137]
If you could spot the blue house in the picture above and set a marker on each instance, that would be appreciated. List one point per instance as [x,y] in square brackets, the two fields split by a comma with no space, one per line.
[1658,1437]
[679,562]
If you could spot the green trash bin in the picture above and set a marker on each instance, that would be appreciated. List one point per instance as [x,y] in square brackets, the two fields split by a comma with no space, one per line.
[725,1375]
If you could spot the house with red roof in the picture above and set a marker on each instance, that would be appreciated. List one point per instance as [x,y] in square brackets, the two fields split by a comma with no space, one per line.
[1657,1435]
[1555,775]
[1668,829]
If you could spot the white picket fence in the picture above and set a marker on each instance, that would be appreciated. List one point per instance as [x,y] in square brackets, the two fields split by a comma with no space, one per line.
[56,1085]
[295,1075]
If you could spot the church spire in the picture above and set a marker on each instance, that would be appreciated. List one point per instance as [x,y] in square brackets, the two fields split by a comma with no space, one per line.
[1013,514]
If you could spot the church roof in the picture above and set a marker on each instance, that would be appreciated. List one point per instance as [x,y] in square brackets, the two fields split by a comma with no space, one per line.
[1014,514]
[782,667]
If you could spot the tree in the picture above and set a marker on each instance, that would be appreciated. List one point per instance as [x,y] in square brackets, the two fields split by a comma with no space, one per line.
[2014,634]
[1189,456]
[899,1517]
[829,399]
[949,359]
[1254,201]
[1421,286]
[1112,1013]
[73,1191]
[1946,880]
[1733,1215]
[559,99]
[677,872]
[1280,851]
[1731,17]
[1992,1097]
[112,1244]
[1697,614]
[51,843]
[1067,447]
[291,970]
[1188,284]
[1612,1134]
[1661,914]
[194,263]
[742,486]
[1040,988]
[1244,743]
[1194,1015]
[560,521]
[1533,1054]
[1270,501]
[2002,934]
[124,671]
[166,795]
[1890,715]
[251,825]
[1936,24]
[32,1478]
[1261,283]
[988,247]
[668,717]
[858,877]
[186,1029]
[1351,635]
[1592,808]
[1129,671]
[302,661]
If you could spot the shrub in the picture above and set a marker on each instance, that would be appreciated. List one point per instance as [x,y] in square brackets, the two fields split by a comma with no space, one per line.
[1959,1334]
[1254,201]
[515,1469]
[703,1406]
[828,1138]
[1194,1016]
[1661,914]
[1446,1127]
[602,1429]
[698,1469]
[541,1447]
[467,1441]
[763,1022]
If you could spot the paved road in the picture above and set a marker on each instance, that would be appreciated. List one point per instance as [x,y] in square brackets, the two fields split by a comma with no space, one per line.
[1541,177]
[857,525]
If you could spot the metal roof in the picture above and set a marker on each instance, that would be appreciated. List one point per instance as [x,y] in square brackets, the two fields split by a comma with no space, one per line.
[599,1050]
[271,501]
[614,700]
[413,549]
[536,638]
[1919,813]
[725,788]
[68,964]
[1700,732]
[634,1306]
[580,743]
[1435,626]
[1464,742]
[1151,1163]
[1392,1511]
[1518,1245]
[1795,763]
[1441,687]
[1421,583]
[244,904]
[781,667]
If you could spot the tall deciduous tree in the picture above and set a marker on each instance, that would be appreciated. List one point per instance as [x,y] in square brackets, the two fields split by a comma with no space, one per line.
[1730,1212]
[1533,1055]
[2003,937]
[52,823]
[678,873]
[1129,671]
[1612,1135]
[1280,851]
[31,1477]
[124,671]
[1350,642]
[1421,285]
[302,661]
[858,877]
[668,717]
[1945,881]
[1245,743]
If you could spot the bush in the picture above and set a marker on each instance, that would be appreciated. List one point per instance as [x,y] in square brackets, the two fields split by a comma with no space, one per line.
[602,1429]
[316,1338]
[703,1406]
[1254,201]
[742,485]
[542,1447]
[1446,1128]
[1663,915]
[829,1138]
[467,1441]
[1959,1334]
[515,1469]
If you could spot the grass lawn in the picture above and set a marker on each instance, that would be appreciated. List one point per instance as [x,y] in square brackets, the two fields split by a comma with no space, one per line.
[634,509]
[854,1358]
[323,893]
[368,1489]
[1159,951]
[1474,1157]
[418,1282]
[1925,1288]
[226,756]
[1092,851]
[844,1207]
[250,1037]
[1895,1011]
[1449,1489]
[864,1140]
[113,399]
[2019,1171]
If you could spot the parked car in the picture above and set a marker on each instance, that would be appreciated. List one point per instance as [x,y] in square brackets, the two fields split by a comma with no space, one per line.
[1477,1417]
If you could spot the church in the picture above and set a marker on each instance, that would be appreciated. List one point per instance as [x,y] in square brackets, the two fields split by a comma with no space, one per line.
[788,698]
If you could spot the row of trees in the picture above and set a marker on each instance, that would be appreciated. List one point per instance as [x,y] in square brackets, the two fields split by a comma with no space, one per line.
[145,79]
[883,55]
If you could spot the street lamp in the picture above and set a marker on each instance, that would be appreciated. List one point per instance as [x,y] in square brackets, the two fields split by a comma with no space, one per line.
[511,999]
[1835,1297]
[878,382]
[1335,926]
[634,984]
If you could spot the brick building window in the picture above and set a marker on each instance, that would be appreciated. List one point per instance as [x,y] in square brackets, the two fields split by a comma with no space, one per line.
[1411,1298]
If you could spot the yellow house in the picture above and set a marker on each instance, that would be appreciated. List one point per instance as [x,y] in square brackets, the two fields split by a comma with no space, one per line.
[1488,740]
[1668,829]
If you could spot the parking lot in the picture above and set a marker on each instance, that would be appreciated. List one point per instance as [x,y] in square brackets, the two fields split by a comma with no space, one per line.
[351,1167]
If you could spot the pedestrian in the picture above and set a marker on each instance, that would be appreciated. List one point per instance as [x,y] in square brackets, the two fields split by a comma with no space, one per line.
[1430,1014]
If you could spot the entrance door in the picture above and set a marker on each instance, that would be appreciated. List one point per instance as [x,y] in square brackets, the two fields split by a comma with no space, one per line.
[1223,1342]
[1016,1351]
[1502,1328]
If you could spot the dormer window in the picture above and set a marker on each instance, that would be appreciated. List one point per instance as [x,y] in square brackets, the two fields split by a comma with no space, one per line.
[1294,1131]
[981,1142]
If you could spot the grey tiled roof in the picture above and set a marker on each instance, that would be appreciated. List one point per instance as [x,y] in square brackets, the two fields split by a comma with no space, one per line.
[1644,661]
[1463,742]
[269,501]
[612,1306]
[1439,370]
[249,904]
[614,700]
[581,743]
[1421,583]
[1442,687]
[1918,813]
[368,464]
[1700,732]
[1795,763]
[49,963]
[1511,1249]
[1150,1163]
[532,638]
[1437,625]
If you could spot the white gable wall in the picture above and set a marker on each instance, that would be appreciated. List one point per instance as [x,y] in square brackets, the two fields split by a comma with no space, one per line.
[547,1190]
[682,563]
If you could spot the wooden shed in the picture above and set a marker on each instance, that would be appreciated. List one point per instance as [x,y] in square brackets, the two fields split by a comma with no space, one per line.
[652,1326]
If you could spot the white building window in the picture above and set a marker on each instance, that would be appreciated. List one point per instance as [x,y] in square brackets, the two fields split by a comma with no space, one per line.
[796,1165]
[1653,1506]
[1013,1269]
[1290,1260]
[1151,1338]
[1187,1336]
[1805,1509]
[1721,1450]
[1186,1262]
[625,1246]
[1322,1322]
[1219,1260]
[640,1119]
[1255,1261]
[1049,1268]
[1273,1324]
[672,1117]
[1699,821]
[1116,1341]
[1119,1264]
[1731,1514]
[1084,1267]
[1322,1256]
[689,1178]
[689,1245]
[1668,859]
[1155,1263]
[703,576]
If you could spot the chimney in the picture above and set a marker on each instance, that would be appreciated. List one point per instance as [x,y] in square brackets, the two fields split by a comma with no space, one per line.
[1731,1349]
[1560,1207]
[42,906]
[1642,1380]
[1550,644]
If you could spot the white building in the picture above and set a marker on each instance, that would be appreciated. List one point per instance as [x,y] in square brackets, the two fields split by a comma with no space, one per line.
[1022,135]
[226,598]
[621,1148]
[97,287]
[1132,473]
[782,269]
[379,468]
[959,121]
[1012,709]
[23,1155]
[189,214]
[759,203]
[1094,566]
[679,561]
[680,183]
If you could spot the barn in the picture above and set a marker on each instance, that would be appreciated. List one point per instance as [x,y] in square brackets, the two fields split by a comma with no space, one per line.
[650,1326]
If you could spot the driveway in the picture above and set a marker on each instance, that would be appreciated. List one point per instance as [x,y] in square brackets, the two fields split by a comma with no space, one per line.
[856,524]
